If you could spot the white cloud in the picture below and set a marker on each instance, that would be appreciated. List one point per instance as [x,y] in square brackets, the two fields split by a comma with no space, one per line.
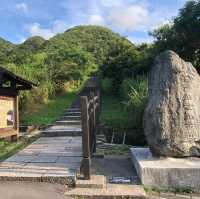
[111,3]
[125,17]
[140,40]
[129,17]
[162,23]
[58,26]
[22,40]
[36,30]
[96,20]
[23,7]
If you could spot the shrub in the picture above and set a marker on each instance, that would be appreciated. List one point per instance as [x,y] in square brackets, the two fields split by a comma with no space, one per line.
[137,98]
[106,86]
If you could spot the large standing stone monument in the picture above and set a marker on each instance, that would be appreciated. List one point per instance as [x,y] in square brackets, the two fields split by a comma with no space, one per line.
[172,126]
[172,116]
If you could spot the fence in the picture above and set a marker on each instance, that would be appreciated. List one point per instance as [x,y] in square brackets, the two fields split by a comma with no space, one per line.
[90,110]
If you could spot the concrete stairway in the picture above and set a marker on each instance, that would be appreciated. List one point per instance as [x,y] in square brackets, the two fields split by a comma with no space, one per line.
[55,157]
[97,188]
[69,124]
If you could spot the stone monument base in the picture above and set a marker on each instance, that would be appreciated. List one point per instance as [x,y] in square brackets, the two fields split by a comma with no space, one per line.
[165,172]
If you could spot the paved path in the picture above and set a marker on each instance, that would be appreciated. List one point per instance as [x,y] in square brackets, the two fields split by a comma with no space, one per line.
[56,157]
[32,190]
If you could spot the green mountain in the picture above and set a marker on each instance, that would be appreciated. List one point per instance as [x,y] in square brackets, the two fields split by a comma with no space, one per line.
[33,44]
[96,40]
[6,48]
[70,58]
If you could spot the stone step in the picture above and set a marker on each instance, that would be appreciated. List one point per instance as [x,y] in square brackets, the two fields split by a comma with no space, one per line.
[68,122]
[73,110]
[65,118]
[61,132]
[101,140]
[72,117]
[72,113]
[96,182]
[62,176]
[111,191]
[101,136]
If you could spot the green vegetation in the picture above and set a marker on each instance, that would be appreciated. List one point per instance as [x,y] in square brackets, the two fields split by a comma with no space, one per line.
[8,148]
[154,190]
[123,114]
[113,113]
[48,113]
[125,73]
[114,149]
[119,149]
[6,48]
[182,34]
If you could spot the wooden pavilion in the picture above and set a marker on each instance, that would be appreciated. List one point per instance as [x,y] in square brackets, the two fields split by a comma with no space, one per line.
[10,85]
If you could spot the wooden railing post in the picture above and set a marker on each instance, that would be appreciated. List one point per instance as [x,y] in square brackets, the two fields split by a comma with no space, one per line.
[85,138]
[93,122]
[90,110]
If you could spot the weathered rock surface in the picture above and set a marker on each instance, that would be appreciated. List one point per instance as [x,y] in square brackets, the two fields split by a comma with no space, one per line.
[172,115]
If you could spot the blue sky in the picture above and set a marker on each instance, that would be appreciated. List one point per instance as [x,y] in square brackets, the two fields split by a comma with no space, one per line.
[20,19]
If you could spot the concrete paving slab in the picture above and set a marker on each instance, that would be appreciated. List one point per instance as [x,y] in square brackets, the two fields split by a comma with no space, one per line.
[63,159]
[44,159]
[31,190]
[47,159]
[21,158]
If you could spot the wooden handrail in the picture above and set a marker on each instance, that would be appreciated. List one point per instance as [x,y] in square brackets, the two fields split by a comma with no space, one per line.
[90,110]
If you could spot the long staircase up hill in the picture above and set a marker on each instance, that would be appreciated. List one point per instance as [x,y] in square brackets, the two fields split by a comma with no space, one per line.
[56,157]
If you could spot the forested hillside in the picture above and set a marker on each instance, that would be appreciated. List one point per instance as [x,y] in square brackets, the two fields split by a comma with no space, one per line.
[66,60]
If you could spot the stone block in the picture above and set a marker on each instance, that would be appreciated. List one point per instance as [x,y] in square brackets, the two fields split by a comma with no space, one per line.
[167,173]
[96,182]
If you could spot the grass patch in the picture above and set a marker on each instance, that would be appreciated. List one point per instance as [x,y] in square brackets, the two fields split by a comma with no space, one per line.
[117,149]
[116,119]
[183,190]
[8,148]
[113,112]
[48,113]
[120,149]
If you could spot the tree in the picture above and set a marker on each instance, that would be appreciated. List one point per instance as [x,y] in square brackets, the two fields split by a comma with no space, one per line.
[122,62]
[182,35]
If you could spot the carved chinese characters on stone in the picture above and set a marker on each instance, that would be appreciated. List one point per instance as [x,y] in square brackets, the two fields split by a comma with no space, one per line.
[172,115]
